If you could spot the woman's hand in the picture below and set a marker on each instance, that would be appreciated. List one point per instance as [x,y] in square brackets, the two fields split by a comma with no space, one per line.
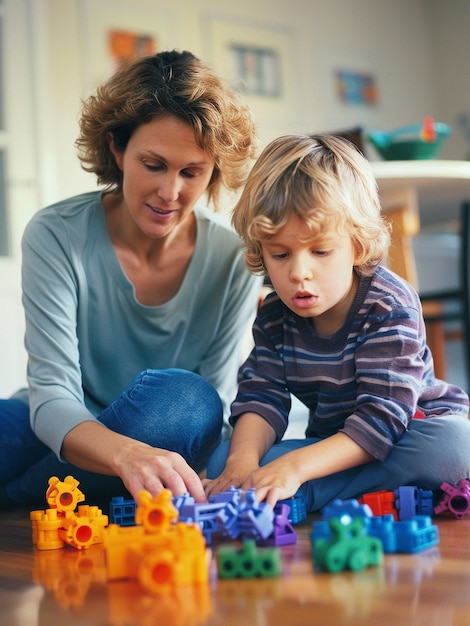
[142,467]
[93,447]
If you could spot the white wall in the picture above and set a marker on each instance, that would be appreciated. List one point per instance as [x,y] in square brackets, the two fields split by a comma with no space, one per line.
[390,38]
[418,50]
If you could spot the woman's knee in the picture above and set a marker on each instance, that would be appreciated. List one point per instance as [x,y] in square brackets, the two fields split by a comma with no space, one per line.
[173,409]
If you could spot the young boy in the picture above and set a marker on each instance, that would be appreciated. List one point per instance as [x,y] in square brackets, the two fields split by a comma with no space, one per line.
[341,333]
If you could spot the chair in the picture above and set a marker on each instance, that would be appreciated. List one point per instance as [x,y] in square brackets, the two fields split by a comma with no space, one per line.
[436,309]
[439,307]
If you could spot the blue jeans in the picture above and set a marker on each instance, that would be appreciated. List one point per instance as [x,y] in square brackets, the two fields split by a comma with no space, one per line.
[431,451]
[172,409]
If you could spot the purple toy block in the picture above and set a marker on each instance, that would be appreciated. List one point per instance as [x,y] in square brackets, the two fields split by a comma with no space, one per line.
[456,499]
[283,533]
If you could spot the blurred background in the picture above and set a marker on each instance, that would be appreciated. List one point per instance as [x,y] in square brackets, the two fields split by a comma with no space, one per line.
[303,66]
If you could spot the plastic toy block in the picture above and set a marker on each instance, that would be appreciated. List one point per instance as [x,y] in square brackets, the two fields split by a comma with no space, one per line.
[346,510]
[455,499]
[121,511]
[383,527]
[116,540]
[64,495]
[248,561]
[320,530]
[156,514]
[174,558]
[158,561]
[232,495]
[203,514]
[411,501]
[283,533]
[416,534]
[349,547]
[256,522]
[45,528]
[84,528]
[297,507]
[380,503]
[409,536]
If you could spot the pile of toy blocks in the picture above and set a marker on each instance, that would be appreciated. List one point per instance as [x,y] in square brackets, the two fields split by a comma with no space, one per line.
[63,523]
[354,534]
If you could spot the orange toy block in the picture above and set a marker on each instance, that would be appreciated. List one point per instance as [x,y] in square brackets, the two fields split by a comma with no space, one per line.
[174,558]
[45,529]
[83,528]
[157,561]
[156,514]
[63,495]
[159,552]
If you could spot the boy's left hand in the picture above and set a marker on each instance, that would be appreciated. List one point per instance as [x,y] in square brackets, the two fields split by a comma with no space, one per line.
[275,481]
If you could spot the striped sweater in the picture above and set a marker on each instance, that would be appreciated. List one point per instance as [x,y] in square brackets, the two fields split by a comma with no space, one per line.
[367,380]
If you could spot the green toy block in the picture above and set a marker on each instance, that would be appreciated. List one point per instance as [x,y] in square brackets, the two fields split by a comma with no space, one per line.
[248,561]
[348,548]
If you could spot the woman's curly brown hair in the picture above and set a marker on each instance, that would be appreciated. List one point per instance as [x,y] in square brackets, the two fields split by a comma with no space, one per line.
[168,83]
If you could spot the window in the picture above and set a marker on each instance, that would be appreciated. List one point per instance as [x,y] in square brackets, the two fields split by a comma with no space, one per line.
[4,239]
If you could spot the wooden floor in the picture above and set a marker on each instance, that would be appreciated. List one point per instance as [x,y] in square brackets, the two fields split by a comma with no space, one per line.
[69,587]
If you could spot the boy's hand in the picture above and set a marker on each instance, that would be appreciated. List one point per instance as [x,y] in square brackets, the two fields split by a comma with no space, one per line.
[234,475]
[275,481]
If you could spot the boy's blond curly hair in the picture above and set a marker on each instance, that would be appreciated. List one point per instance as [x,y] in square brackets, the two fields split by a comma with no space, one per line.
[322,179]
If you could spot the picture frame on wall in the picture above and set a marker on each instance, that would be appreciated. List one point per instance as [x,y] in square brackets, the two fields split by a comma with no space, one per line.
[114,32]
[257,70]
[255,59]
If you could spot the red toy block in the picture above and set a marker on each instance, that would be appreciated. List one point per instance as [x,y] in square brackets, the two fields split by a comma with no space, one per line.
[381,503]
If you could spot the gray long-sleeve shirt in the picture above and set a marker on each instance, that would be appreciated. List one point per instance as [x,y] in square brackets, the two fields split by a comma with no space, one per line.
[87,336]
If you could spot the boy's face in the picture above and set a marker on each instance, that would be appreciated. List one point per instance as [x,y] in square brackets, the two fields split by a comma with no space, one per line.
[313,276]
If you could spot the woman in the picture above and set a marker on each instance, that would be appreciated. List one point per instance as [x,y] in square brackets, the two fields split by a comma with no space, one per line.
[136,300]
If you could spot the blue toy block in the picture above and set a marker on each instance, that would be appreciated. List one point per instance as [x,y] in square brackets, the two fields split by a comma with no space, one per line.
[122,512]
[413,535]
[297,507]
[416,534]
[412,501]
[346,510]
[320,530]
[383,527]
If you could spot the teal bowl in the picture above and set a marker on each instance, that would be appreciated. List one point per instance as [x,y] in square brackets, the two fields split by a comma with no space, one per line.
[405,144]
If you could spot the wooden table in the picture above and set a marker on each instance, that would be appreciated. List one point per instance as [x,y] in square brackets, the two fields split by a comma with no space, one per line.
[419,192]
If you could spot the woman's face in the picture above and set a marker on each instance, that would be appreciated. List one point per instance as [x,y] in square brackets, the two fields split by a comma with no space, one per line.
[164,173]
